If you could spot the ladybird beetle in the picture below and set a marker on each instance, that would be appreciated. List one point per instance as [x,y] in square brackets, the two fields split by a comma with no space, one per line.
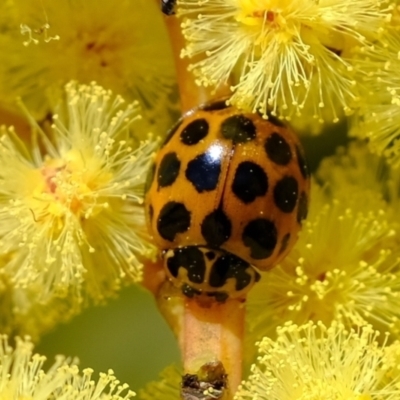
[168,7]
[225,197]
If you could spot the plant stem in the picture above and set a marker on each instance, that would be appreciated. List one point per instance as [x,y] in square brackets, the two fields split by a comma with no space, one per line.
[191,94]
[214,333]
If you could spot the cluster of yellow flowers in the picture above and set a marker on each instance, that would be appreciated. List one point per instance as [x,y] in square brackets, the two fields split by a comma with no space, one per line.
[325,323]
[303,60]
[85,89]
[22,377]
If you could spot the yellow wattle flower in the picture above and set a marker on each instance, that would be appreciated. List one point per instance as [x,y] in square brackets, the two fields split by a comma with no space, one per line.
[21,313]
[166,388]
[281,56]
[316,362]
[378,116]
[72,213]
[47,44]
[22,377]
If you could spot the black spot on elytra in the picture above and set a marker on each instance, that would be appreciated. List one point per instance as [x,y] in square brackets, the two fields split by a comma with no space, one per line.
[261,236]
[239,129]
[284,243]
[172,131]
[249,182]
[302,163]
[302,209]
[174,218]
[229,266]
[210,255]
[190,258]
[203,172]
[285,194]
[149,178]
[189,291]
[215,106]
[278,149]
[194,132]
[216,228]
[168,170]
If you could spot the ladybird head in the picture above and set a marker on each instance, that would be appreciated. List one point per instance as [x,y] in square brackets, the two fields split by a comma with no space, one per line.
[209,273]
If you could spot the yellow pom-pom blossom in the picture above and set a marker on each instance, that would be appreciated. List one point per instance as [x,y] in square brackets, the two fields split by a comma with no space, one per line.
[22,314]
[22,377]
[356,168]
[378,118]
[167,388]
[314,362]
[345,267]
[71,206]
[287,54]
[120,46]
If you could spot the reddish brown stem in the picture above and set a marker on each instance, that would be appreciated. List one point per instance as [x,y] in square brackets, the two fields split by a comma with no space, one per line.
[191,94]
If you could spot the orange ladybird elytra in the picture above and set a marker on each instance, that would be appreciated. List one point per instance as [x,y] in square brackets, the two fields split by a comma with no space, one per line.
[225,197]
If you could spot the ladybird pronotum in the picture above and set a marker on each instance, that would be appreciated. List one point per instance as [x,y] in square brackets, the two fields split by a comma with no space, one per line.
[226,196]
